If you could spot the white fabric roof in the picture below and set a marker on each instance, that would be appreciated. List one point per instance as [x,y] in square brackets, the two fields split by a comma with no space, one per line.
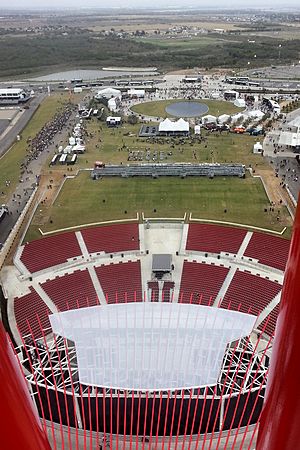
[209,118]
[168,125]
[112,104]
[14,91]
[289,138]
[237,117]
[108,93]
[137,92]
[256,113]
[295,122]
[223,118]
[240,103]
[151,346]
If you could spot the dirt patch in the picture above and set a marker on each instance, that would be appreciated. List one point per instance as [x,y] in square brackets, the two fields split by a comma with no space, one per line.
[277,193]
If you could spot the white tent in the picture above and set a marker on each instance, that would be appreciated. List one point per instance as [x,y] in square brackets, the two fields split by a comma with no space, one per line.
[230,92]
[240,103]
[79,148]
[68,149]
[112,104]
[209,119]
[182,125]
[197,129]
[295,123]
[288,138]
[223,118]
[168,126]
[139,93]
[108,93]
[72,140]
[257,114]
[237,117]
[257,148]
[113,121]
[231,95]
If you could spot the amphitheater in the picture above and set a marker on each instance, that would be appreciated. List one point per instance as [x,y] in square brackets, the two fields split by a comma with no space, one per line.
[215,269]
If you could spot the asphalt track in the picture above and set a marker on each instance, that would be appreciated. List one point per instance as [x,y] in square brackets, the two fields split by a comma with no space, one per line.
[10,137]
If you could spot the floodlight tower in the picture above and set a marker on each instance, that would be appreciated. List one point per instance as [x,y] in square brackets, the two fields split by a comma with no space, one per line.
[279,426]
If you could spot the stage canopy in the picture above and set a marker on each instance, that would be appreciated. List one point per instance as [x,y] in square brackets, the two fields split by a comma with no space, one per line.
[151,346]
[177,126]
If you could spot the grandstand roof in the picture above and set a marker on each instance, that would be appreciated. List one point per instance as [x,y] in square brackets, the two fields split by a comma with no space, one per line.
[14,91]
[151,346]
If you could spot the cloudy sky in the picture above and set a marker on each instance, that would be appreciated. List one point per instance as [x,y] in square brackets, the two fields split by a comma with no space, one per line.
[146,3]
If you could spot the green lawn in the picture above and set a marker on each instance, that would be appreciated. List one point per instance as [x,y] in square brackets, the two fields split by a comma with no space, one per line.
[113,146]
[184,44]
[158,109]
[83,200]
[10,162]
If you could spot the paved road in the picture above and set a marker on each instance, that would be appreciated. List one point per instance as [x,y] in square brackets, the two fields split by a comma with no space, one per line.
[24,189]
[284,159]
[10,137]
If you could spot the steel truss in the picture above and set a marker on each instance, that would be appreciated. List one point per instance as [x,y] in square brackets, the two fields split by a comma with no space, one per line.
[52,363]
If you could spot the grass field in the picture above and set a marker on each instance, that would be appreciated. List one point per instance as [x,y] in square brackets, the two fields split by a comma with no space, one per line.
[113,146]
[185,43]
[158,109]
[10,162]
[131,23]
[83,201]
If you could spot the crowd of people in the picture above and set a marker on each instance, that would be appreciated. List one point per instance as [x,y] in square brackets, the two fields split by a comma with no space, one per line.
[45,137]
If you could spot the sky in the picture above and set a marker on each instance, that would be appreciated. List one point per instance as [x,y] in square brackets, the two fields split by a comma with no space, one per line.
[38,4]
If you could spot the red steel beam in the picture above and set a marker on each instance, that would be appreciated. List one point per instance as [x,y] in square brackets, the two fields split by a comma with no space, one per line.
[279,426]
[20,425]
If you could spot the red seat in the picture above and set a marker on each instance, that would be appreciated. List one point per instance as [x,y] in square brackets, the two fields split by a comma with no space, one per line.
[200,283]
[72,291]
[269,250]
[32,315]
[50,251]
[153,286]
[167,289]
[121,282]
[269,323]
[249,293]
[214,238]
[112,239]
